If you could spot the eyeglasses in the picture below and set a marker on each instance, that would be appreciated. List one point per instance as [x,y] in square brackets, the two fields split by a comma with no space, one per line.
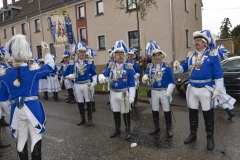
[197,40]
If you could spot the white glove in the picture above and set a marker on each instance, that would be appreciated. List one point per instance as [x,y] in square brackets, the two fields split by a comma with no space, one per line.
[92,86]
[73,76]
[131,100]
[176,64]
[61,81]
[136,76]
[215,94]
[44,45]
[67,77]
[104,80]
[145,78]
[167,94]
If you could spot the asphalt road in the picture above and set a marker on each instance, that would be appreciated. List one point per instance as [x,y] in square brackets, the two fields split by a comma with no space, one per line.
[64,140]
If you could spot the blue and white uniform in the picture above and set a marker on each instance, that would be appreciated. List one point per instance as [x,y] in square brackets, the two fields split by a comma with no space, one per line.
[161,81]
[210,70]
[52,81]
[27,112]
[67,68]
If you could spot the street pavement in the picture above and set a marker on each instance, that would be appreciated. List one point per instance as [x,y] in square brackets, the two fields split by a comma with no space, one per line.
[64,140]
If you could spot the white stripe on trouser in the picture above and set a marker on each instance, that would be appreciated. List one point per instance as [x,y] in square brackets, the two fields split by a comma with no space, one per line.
[67,84]
[5,108]
[24,125]
[81,92]
[202,95]
[115,100]
[159,95]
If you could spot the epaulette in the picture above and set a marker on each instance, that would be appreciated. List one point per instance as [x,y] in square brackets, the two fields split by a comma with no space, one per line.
[167,64]
[110,64]
[2,71]
[149,65]
[129,66]
[89,61]
[213,53]
[191,53]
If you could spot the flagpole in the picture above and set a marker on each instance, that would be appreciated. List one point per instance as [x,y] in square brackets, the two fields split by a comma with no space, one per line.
[40,18]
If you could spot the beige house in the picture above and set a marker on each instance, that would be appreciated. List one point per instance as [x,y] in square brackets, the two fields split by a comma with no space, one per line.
[99,24]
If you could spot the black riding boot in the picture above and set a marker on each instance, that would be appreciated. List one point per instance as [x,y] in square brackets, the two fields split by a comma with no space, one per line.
[89,107]
[3,123]
[45,95]
[68,96]
[230,114]
[71,96]
[155,115]
[93,105]
[209,123]
[193,118]
[135,99]
[82,113]
[168,120]
[24,154]
[117,120]
[127,121]
[55,96]
[36,153]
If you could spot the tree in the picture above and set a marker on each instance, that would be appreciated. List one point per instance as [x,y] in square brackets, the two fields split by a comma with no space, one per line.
[141,7]
[236,39]
[225,31]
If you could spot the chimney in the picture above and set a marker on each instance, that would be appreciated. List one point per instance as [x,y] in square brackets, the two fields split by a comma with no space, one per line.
[5,4]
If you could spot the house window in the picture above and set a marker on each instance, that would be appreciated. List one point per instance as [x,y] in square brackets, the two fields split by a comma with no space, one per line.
[3,18]
[23,29]
[37,25]
[39,52]
[52,49]
[131,4]
[82,34]
[186,5]
[4,33]
[81,12]
[101,42]
[99,5]
[196,11]
[9,2]
[133,39]
[187,39]
[13,31]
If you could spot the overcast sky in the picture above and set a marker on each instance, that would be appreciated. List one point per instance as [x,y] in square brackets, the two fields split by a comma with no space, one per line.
[214,12]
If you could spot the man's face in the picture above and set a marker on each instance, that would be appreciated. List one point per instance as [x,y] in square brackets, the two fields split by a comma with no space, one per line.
[199,44]
[119,57]
[66,59]
[157,58]
[30,62]
[10,63]
[130,57]
[81,54]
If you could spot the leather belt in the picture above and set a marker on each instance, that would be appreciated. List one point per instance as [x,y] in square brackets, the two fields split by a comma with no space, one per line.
[201,81]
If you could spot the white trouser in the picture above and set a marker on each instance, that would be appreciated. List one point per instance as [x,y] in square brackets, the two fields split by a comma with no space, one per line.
[159,95]
[5,108]
[81,92]
[202,95]
[115,100]
[24,125]
[68,84]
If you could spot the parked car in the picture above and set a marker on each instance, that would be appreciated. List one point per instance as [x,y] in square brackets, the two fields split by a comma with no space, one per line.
[231,75]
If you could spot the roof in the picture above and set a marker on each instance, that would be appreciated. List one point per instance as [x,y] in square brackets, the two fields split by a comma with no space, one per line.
[32,8]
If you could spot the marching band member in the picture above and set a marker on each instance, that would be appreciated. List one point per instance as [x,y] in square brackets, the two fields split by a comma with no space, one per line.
[27,112]
[43,82]
[111,60]
[4,98]
[122,87]
[82,85]
[132,55]
[67,68]
[205,71]
[160,77]
[52,82]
